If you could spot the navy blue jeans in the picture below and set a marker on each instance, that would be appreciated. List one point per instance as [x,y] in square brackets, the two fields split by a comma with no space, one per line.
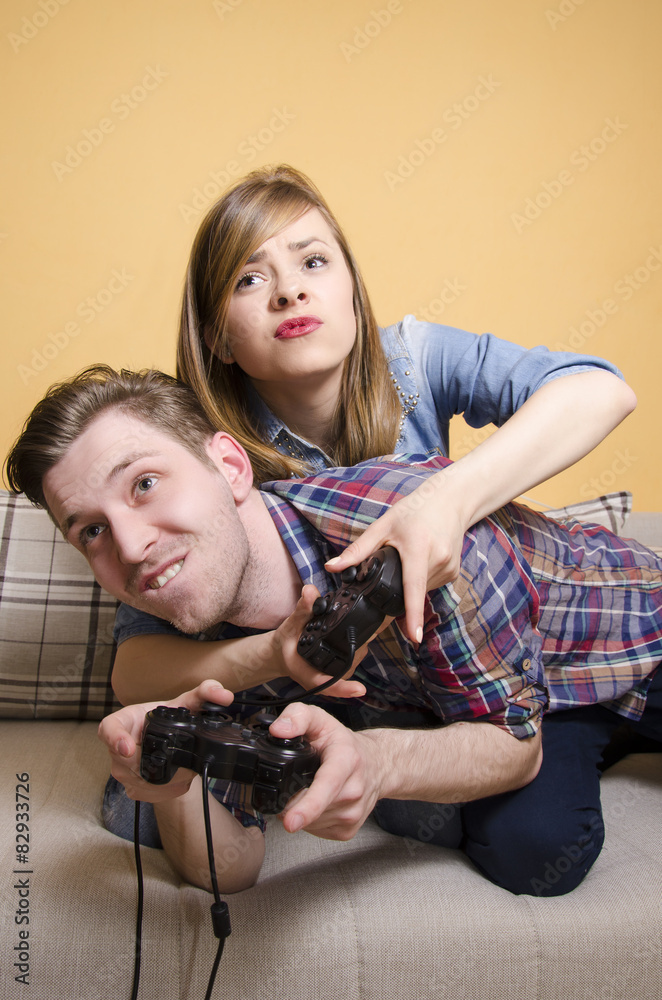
[542,839]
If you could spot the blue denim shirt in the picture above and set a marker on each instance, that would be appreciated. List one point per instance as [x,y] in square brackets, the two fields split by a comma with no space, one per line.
[439,372]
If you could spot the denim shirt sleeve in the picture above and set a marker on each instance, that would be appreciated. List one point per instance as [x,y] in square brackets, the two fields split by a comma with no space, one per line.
[130,622]
[482,377]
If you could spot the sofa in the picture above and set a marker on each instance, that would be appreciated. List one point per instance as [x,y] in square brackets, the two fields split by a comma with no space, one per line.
[378,918]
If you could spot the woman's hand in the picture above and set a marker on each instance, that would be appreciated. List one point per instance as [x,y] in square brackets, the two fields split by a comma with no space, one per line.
[427,530]
[559,424]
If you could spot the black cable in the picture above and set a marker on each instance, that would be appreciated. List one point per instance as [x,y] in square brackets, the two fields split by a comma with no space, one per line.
[220,914]
[139,914]
[266,702]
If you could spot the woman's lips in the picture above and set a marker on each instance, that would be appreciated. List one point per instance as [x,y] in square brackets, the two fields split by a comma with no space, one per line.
[297,327]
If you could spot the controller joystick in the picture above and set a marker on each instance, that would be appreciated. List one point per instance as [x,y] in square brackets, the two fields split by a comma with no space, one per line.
[345,619]
[276,768]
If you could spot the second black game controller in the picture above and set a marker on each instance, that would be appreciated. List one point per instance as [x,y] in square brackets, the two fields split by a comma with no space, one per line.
[276,768]
[345,619]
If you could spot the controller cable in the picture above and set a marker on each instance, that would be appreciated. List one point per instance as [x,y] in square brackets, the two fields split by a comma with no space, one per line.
[267,702]
[220,914]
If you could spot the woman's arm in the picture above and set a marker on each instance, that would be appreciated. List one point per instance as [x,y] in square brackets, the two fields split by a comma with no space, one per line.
[161,666]
[559,424]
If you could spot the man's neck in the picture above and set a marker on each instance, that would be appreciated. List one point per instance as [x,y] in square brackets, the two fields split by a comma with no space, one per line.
[272,584]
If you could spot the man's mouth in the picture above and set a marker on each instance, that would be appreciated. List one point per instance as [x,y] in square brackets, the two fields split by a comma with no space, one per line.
[161,580]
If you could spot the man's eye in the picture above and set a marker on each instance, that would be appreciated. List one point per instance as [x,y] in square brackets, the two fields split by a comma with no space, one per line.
[91,532]
[145,484]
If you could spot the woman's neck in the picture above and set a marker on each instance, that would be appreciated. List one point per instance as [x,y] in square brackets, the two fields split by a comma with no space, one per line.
[307,410]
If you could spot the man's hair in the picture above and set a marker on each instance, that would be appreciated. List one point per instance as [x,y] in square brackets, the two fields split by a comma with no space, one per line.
[69,407]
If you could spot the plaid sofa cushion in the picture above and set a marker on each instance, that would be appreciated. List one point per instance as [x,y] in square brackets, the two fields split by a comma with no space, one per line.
[56,623]
[611,511]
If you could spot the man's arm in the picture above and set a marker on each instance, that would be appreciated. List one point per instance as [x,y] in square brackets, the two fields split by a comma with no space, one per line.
[238,850]
[455,763]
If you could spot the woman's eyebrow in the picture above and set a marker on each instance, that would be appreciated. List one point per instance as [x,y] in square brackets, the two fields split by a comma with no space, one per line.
[296,245]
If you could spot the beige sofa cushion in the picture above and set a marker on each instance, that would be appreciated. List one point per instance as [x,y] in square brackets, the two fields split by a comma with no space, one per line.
[377,918]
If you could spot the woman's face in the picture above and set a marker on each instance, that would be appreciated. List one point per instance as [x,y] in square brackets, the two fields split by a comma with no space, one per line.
[291,315]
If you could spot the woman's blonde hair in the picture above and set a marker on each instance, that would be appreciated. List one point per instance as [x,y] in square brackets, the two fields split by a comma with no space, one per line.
[252,211]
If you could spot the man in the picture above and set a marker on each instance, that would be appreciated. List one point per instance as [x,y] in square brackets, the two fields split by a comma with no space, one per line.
[542,619]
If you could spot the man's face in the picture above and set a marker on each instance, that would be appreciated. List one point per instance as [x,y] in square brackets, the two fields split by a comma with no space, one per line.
[159,528]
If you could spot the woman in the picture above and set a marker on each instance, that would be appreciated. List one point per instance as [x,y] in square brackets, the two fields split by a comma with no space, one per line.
[279,341]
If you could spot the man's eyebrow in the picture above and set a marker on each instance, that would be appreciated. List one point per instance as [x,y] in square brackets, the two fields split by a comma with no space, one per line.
[116,470]
[295,245]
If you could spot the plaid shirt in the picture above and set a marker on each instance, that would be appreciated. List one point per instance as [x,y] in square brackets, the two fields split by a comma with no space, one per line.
[543,616]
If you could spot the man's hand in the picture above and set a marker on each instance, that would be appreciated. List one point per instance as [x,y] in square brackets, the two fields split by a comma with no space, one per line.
[346,786]
[122,731]
[458,762]
[286,638]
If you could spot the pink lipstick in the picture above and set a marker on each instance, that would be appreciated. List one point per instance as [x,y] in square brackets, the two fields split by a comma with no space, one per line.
[298,326]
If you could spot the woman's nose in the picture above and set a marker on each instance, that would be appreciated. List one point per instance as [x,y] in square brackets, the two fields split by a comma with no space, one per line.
[289,289]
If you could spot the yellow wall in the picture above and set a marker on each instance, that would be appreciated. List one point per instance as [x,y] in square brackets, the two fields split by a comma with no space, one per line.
[432,127]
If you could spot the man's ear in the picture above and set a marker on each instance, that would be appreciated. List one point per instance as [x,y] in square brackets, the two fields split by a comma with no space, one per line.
[232,462]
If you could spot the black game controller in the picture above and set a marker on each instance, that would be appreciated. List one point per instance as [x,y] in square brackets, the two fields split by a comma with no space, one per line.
[276,768]
[344,620]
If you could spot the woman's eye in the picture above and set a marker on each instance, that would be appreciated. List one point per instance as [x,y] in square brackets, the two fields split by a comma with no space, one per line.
[314,261]
[249,280]
[145,484]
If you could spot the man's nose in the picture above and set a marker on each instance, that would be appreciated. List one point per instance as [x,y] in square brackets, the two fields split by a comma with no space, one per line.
[133,539]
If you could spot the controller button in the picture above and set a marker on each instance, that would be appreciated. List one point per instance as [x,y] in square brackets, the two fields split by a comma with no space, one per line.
[321,605]
[349,575]
[211,708]
[269,772]
[281,741]
[368,569]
